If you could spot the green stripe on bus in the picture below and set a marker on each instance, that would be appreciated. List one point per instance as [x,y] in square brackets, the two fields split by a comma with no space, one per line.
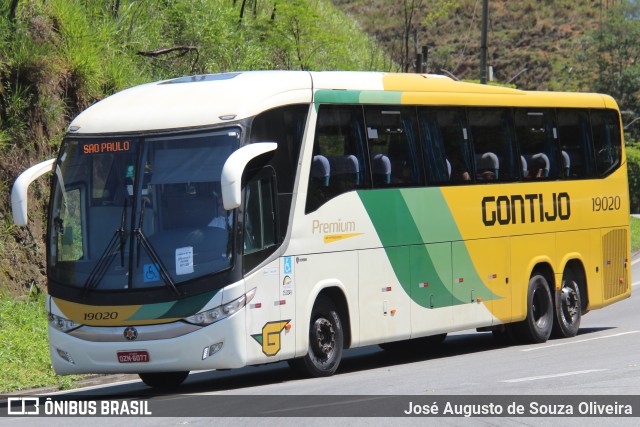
[173,309]
[337,97]
[151,311]
[189,306]
[383,204]
[429,263]
[357,97]
[380,97]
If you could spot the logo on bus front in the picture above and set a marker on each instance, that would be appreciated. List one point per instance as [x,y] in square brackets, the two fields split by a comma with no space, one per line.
[270,338]
[130,333]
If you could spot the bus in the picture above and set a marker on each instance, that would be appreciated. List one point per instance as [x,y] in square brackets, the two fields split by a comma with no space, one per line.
[224,220]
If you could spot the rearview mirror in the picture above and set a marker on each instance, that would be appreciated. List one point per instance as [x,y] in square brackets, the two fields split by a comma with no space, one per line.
[231,179]
[19,192]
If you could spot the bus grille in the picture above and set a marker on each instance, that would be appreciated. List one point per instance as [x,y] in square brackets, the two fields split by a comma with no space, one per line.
[615,275]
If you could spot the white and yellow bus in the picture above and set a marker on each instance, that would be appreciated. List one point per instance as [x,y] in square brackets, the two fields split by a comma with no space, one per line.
[225,220]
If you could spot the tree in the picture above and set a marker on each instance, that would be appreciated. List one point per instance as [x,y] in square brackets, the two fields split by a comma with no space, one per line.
[613,53]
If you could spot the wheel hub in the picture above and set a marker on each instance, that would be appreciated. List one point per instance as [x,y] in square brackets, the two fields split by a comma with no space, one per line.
[569,301]
[324,338]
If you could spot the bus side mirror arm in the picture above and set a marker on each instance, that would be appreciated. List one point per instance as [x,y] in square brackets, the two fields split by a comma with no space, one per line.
[19,192]
[231,179]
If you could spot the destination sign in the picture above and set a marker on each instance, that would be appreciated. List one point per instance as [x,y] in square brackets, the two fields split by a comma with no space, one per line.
[106,147]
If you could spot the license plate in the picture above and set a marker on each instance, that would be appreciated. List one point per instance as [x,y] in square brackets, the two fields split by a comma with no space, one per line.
[140,356]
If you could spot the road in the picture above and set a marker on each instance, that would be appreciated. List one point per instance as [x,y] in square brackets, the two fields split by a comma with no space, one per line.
[604,359]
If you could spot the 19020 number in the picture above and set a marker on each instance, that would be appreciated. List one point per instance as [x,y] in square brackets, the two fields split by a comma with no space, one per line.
[101,315]
[606,203]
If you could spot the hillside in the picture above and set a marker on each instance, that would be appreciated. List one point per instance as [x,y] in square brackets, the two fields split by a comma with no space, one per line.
[60,56]
[531,43]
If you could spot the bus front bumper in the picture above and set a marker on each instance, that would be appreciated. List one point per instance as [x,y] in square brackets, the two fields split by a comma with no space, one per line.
[221,345]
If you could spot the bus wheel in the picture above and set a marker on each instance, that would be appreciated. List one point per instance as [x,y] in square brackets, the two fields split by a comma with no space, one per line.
[568,309]
[163,379]
[325,341]
[536,328]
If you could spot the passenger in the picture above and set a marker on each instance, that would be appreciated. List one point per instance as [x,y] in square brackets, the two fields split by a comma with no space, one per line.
[538,168]
[487,176]
[457,170]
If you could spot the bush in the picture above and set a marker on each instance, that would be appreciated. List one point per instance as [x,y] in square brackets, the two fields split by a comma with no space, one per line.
[633,170]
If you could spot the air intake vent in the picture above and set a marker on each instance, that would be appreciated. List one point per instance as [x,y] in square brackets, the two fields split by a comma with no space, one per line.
[615,258]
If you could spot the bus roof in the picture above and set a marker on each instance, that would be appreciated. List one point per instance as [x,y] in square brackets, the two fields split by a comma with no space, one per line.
[210,99]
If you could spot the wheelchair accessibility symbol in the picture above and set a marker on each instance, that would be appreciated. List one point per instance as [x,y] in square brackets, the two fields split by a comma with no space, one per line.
[288,266]
[151,273]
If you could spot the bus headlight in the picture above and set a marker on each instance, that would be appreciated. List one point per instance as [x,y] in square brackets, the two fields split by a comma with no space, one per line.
[223,311]
[61,323]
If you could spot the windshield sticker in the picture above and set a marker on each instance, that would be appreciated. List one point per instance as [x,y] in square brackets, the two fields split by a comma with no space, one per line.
[151,273]
[184,260]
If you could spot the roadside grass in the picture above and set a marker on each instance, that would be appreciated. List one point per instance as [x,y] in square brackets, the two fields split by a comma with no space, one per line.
[24,347]
[635,235]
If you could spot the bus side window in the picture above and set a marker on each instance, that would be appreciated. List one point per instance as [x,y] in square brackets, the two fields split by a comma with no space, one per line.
[492,136]
[445,145]
[340,140]
[576,147]
[605,125]
[260,218]
[391,133]
[285,126]
[536,134]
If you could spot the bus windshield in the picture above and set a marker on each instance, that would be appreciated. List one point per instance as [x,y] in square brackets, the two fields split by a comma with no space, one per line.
[138,213]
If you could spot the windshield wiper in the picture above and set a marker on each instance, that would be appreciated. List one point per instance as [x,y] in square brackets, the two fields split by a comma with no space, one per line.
[106,258]
[151,252]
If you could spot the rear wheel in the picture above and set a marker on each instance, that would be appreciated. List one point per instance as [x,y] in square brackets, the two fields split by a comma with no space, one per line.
[568,308]
[536,328]
[163,379]
[326,341]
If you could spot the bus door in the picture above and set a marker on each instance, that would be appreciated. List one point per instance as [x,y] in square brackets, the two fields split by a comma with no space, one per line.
[270,310]
[481,285]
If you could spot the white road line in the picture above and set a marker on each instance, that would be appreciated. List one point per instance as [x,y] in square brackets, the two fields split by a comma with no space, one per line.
[544,377]
[579,341]
[635,284]
[635,261]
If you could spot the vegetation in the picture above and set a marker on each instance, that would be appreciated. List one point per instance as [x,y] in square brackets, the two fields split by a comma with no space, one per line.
[633,168]
[635,235]
[59,56]
[537,45]
[24,348]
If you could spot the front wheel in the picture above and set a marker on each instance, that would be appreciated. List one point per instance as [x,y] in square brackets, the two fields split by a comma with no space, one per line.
[163,380]
[568,309]
[536,328]
[326,341]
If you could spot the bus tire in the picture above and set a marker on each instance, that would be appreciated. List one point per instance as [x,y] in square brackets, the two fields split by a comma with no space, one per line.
[163,380]
[326,341]
[536,328]
[568,308]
